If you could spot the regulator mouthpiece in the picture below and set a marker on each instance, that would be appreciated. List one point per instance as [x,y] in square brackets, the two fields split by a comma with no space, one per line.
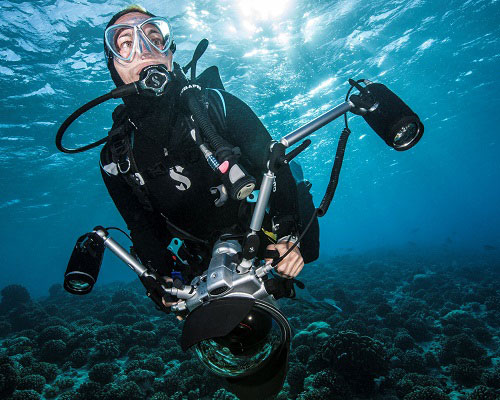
[153,80]
[84,264]
[389,116]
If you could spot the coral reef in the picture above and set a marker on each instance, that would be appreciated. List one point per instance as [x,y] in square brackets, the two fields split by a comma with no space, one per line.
[409,330]
[359,359]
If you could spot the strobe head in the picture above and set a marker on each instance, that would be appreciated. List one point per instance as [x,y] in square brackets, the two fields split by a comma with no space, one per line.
[84,264]
[388,116]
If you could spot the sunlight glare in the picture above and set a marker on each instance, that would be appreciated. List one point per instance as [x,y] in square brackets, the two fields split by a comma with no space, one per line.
[263,9]
[311,26]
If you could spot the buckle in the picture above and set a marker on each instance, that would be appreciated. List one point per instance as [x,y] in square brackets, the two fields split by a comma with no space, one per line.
[125,163]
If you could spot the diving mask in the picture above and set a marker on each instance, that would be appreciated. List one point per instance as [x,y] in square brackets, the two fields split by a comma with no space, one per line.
[151,35]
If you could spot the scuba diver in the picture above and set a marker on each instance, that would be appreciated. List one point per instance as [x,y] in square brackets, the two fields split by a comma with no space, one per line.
[180,164]
[159,180]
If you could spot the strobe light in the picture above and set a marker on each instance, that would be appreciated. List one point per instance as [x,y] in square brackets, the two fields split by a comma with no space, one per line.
[387,115]
[84,264]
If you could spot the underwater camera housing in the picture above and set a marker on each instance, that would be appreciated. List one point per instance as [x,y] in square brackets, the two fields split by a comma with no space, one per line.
[233,323]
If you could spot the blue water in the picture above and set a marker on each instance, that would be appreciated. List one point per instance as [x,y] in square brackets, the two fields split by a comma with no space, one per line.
[290,61]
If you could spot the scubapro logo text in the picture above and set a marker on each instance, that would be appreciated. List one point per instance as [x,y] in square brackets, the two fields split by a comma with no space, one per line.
[175,174]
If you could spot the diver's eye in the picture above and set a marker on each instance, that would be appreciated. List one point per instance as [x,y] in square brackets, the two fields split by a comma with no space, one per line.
[157,40]
[126,45]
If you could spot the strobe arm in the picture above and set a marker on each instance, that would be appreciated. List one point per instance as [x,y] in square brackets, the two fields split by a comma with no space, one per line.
[120,252]
[317,123]
[156,286]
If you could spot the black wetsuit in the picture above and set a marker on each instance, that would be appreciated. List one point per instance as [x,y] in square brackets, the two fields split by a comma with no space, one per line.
[182,192]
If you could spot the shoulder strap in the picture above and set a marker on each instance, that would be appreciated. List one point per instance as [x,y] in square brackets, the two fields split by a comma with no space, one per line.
[222,101]
[120,139]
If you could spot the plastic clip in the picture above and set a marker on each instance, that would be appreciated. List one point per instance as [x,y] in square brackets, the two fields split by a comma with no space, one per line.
[253,197]
[174,247]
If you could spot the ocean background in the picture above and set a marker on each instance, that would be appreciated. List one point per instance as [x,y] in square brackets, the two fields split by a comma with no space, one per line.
[290,62]
[436,204]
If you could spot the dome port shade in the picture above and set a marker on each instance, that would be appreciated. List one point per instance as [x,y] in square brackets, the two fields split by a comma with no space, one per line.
[214,319]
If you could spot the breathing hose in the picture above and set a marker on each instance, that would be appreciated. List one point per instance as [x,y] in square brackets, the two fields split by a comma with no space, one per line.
[72,118]
[238,183]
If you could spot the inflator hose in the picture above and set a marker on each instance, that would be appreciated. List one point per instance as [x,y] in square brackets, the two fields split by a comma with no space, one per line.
[72,118]
[200,114]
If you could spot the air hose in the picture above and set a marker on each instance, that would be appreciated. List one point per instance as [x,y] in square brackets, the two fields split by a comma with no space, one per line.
[72,118]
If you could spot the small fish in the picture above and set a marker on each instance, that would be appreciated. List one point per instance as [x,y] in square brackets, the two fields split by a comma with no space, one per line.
[489,247]
[332,303]
[327,304]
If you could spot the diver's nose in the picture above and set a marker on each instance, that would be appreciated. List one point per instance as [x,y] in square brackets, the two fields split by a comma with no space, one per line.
[144,47]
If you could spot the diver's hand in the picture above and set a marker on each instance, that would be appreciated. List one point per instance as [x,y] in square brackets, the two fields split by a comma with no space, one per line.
[292,264]
[169,303]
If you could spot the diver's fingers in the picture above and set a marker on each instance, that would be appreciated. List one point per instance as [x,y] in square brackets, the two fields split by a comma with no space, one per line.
[287,269]
[298,268]
[295,265]
[299,263]
[291,266]
[287,266]
[169,303]
[272,247]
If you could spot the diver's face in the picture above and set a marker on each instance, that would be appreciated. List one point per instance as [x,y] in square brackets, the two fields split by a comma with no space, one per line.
[143,55]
